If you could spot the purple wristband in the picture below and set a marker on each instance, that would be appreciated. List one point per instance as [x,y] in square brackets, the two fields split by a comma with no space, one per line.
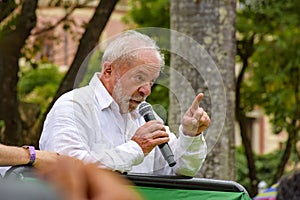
[32,154]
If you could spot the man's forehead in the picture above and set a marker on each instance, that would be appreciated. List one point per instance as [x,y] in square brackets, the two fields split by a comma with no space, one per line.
[146,68]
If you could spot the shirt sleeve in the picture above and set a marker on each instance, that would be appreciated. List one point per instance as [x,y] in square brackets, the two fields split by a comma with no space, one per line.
[189,152]
[120,158]
[70,130]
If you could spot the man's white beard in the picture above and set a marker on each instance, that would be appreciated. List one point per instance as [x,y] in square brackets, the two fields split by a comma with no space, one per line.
[121,98]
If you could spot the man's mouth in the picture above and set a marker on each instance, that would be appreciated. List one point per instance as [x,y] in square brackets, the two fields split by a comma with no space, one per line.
[136,101]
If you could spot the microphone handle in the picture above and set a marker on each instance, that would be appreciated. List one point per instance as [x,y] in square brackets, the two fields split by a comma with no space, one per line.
[167,153]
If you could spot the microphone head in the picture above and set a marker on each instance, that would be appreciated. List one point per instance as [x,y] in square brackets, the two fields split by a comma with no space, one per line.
[145,108]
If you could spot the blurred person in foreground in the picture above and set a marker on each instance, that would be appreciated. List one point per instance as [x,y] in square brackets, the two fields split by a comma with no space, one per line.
[100,123]
[74,180]
[60,178]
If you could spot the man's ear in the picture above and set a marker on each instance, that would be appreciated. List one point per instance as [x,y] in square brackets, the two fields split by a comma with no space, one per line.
[107,69]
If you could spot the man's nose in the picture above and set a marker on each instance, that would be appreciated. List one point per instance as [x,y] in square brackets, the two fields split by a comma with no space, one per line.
[145,89]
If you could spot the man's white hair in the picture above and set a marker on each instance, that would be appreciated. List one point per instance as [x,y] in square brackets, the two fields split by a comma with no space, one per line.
[126,45]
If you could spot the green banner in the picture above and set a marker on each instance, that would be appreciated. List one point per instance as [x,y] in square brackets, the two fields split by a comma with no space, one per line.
[150,193]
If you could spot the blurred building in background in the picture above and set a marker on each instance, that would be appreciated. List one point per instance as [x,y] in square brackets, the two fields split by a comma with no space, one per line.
[263,139]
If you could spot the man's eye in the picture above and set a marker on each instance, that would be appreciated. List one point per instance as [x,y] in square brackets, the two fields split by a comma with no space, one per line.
[139,78]
[151,83]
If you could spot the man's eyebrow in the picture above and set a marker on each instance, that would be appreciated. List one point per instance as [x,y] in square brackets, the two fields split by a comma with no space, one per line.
[141,72]
[146,75]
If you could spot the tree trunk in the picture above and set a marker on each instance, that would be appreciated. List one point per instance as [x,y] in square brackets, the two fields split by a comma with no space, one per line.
[247,143]
[245,50]
[209,24]
[241,118]
[287,152]
[86,45]
[11,43]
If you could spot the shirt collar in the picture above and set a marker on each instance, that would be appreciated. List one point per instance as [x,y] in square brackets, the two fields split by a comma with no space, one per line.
[135,114]
[102,96]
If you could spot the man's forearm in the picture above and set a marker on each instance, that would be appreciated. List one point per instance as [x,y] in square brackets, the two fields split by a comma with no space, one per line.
[11,155]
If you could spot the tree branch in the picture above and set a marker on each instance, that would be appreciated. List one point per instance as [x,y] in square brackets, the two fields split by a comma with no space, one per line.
[58,22]
[6,7]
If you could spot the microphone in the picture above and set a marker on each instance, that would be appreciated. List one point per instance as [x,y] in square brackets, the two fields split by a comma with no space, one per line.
[145,110]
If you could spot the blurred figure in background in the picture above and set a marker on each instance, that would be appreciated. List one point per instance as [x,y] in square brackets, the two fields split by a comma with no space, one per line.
[289,187]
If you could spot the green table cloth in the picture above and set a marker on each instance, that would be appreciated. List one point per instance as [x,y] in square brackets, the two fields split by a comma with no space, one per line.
[151,193]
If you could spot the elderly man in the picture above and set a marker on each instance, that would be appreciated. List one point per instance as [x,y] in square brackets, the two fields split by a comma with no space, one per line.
[100,123]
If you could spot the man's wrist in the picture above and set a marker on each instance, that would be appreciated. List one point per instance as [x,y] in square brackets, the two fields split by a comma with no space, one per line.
[187,134]
[191,133]
[32,154]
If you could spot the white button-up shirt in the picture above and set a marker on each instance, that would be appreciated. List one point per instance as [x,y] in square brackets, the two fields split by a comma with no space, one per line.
[86,123]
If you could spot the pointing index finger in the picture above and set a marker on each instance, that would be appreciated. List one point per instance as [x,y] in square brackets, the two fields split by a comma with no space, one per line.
[196,102]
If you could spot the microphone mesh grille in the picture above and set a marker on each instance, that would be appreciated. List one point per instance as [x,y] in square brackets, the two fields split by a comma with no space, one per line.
[144,108]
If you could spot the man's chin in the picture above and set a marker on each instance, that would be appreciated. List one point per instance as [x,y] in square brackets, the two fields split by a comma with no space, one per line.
[133,105]
[130,106]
